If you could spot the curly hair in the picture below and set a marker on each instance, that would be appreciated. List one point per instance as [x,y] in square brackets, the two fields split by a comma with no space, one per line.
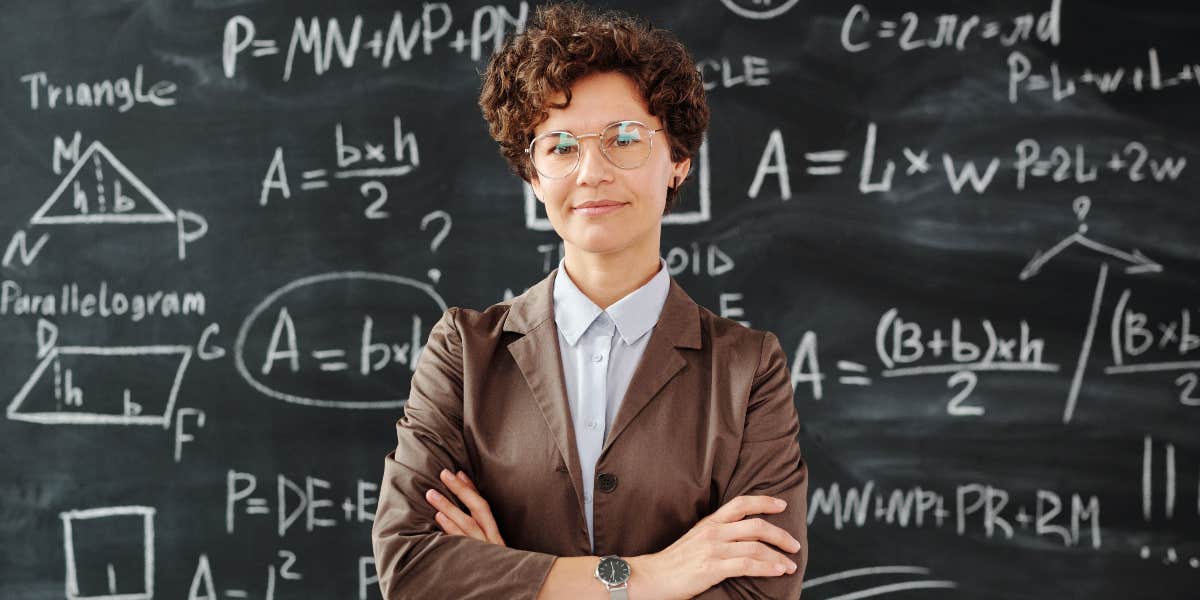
[564,42]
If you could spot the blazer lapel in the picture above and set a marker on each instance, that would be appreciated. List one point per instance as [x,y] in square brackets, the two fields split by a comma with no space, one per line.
[537,355]
[678,327]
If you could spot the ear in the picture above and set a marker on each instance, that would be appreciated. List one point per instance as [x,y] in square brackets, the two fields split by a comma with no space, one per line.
[536,184]
[679,171]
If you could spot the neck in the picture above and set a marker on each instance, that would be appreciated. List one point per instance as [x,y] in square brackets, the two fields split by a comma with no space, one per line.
[606,278]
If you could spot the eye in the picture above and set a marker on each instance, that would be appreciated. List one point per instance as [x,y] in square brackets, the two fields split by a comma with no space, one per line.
[627,134]
[565,144]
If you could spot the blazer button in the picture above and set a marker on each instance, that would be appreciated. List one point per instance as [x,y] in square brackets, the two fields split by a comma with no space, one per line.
[606,482]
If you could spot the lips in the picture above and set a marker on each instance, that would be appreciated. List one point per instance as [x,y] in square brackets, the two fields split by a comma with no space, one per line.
[597,207]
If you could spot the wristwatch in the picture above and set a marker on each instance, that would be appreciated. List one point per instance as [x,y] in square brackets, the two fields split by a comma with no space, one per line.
[614,572]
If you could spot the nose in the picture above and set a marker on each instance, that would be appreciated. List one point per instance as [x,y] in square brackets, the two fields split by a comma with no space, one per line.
[593,168]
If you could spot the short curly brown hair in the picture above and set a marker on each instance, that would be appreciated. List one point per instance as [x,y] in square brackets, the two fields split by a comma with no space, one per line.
[564,42]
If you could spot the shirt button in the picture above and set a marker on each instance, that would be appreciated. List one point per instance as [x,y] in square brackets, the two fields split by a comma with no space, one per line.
[597,358]
[606,482]
[587,498]
[593,424]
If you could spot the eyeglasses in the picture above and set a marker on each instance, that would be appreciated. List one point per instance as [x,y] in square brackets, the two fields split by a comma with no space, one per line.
[626,144]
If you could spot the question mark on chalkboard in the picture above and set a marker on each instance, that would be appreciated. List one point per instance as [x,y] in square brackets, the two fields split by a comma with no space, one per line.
[435,274]
[1081,206]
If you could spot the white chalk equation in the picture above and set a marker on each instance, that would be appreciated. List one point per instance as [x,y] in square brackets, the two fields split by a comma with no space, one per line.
[1142,344]
[307,504]
[1070,519]
[1031,161]
[403,39]
[906,348]
[1060,84]
[948,31]
[208,576]
[318,341]
[110,554]
[368,161]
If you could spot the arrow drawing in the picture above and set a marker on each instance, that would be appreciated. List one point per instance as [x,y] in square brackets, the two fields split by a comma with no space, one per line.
[1138,263]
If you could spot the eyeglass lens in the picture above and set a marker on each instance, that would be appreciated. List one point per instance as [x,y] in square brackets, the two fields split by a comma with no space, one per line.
[625,143]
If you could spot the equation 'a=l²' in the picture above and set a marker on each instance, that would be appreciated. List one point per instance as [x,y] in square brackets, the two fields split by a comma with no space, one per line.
[852,367]
[825,162]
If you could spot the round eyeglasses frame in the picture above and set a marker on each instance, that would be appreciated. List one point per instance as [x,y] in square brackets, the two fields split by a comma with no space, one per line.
[580,138]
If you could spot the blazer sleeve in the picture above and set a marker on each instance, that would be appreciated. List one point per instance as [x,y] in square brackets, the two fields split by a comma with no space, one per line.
[413,557]
[769,463]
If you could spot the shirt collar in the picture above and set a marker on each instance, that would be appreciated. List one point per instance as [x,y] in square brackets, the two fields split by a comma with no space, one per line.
[634,315]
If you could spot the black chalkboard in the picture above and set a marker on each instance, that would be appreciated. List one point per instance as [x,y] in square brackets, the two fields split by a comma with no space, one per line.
[228,226]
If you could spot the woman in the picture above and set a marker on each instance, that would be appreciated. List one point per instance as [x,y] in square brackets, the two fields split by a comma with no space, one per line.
[616,433]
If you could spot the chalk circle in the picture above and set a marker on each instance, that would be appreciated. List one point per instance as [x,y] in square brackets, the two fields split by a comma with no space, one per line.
[751,13]
[314,280]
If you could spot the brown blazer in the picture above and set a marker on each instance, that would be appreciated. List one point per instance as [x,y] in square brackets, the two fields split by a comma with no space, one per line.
[708,416]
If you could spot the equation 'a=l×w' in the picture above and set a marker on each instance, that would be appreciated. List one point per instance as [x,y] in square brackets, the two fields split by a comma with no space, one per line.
[827,162]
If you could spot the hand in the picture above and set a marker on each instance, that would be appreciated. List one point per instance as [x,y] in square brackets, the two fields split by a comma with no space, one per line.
[719,546]
[479,524]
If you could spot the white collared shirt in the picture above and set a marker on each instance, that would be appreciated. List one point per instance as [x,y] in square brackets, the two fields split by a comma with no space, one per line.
[600,349]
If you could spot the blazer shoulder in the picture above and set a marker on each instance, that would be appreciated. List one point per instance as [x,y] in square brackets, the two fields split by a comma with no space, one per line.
[723,332]
[473,324]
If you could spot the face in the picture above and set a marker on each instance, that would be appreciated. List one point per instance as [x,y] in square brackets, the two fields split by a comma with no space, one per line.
[633,225]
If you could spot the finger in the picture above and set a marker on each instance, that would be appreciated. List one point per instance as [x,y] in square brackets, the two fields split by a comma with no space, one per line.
[738,508]
[758,529]
[447,525]
[473,501]
[457,516]
[488,523]
[749,567]
[467,480]
[481,511]
[757,551]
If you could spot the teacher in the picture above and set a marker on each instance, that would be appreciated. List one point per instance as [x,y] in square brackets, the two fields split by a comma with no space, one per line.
[601,435]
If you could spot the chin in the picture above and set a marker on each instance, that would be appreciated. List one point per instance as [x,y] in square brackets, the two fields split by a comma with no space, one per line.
[597,240]
[598,246]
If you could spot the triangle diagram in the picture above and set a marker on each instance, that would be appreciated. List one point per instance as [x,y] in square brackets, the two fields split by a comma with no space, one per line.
[101,189]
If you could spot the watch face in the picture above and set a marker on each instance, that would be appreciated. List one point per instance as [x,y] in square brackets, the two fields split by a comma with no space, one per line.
[613,570]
